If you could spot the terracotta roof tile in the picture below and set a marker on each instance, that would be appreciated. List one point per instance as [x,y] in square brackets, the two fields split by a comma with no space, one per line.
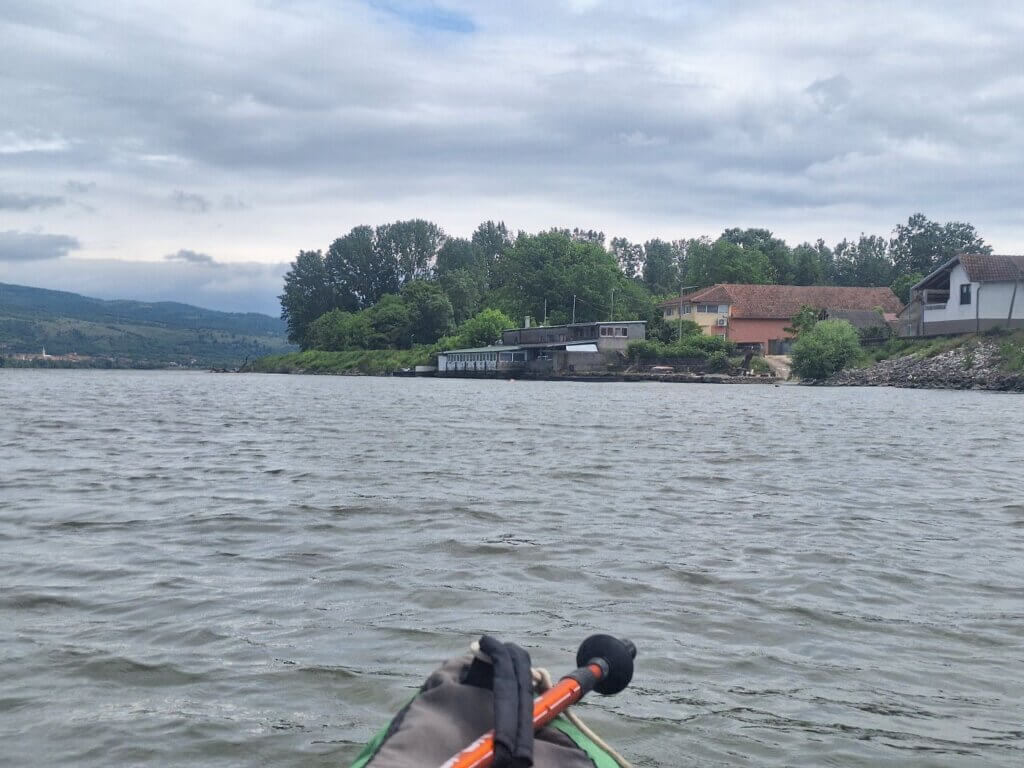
[779,302]
[992,268]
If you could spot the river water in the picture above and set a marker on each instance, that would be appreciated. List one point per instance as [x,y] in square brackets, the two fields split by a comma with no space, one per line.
[220,570]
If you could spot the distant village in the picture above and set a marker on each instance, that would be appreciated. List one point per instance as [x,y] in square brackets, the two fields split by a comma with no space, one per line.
[970,293]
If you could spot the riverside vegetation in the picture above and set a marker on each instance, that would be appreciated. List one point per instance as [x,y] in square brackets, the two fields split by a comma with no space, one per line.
[831,352]
[388,297]
[991,361]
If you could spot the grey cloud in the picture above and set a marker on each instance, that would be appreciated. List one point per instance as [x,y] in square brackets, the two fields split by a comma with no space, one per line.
[638,107]
[190,256]
[190,201]
[234,203]
[31,246]
[79,187]
[831,93]
[15,202]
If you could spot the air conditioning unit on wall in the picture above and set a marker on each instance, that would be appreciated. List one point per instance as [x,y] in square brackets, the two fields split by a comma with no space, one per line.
[722,322]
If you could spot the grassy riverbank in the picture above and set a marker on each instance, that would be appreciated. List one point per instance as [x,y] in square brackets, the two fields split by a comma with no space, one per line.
[1007,348]
[359,361]
[990,361]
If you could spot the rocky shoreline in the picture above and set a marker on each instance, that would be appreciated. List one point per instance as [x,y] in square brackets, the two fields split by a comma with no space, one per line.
[972,366]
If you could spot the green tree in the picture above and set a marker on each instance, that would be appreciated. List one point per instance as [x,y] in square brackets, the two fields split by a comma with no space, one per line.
[661,270]
[630,256]
[337,330]
[592,236]
[807,266]
[463,273]
[430,311]
[803,320]
[732,263]
[457,253]
[358,271]
[391,320]
[491,240]
[775,250]
[921,245]
[723,261]
[865,262]
[483,328]
[826,261]
[901,285]
[464,290]
[825,349]
[552,267]
[307,295]
[410,246]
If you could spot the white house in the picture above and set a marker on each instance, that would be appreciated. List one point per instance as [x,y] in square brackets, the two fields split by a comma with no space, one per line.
[970,293]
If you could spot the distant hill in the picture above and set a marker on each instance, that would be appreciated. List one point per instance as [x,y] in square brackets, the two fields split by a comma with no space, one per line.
[128,333]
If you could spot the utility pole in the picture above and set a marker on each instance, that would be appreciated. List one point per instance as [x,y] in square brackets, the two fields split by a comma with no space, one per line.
[611,315]
[574,309]
[545,311]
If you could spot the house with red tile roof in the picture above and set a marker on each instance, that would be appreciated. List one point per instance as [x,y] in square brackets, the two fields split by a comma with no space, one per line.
[970,293]
[758,315]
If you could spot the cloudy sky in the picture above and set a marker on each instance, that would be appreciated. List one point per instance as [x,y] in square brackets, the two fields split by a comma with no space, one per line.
[187,150]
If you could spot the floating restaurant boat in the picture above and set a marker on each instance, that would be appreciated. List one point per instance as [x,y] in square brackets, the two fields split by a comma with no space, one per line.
[491,708]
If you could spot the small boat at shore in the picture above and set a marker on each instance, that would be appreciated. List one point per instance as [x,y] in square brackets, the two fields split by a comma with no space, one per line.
[492,708]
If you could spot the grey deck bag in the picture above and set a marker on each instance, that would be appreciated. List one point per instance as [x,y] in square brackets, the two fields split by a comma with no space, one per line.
[464,699]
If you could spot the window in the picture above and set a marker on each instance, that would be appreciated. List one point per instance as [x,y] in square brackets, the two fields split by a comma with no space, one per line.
[604,330]
[623,331]
[713,309]
[965,293]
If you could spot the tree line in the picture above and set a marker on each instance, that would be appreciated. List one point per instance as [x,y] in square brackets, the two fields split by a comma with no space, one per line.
[408,283]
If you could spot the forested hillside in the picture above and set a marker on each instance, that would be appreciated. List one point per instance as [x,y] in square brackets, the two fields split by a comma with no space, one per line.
[128,333]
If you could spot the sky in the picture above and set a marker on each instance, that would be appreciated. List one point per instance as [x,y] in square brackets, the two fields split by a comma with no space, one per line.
[188,150]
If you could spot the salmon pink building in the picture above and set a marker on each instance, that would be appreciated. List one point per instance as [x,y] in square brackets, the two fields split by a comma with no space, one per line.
[752,315]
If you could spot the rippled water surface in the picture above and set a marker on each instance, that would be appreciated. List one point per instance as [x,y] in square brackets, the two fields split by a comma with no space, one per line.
[220,570]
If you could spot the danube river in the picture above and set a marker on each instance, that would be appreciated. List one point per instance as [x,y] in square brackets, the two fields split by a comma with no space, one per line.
[220,570]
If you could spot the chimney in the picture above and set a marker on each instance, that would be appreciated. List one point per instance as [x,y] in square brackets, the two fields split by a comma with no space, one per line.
[526,322]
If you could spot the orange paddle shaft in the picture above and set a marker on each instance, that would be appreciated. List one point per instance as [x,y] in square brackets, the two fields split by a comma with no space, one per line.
[546,707]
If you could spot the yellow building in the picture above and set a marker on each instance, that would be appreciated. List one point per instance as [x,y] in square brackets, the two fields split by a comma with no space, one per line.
[712,318]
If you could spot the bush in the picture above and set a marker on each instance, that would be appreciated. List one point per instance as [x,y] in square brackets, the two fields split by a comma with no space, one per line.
[483,328]
[827,348]
[1012,354]
[698,346]
[337,330]
[646,350]
[718,362]
[760,366]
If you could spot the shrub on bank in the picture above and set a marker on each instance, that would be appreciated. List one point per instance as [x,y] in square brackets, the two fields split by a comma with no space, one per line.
[369,361]
[825,349]
[698,346]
